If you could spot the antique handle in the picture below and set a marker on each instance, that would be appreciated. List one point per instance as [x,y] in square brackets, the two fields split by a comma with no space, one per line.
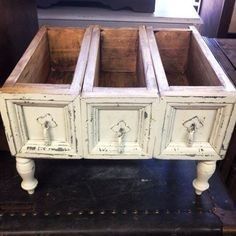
[46,133]
[47,122]
[121,134]
[120,129]
[191,132]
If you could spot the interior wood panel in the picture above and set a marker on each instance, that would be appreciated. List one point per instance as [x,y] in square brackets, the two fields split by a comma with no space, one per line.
[54,60]
[173,47]
[64,45]
[183,60]
[38,67]
[119,50]
[199,70]
[118,79]
[120,64]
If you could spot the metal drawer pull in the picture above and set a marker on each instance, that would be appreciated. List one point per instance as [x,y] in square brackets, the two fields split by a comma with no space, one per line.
[46,134]
[121,129]
[121,135]
[191,132]
[47,122]
[192,125]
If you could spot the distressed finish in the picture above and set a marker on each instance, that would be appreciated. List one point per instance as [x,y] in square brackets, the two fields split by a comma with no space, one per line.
[127,93]
[119,96]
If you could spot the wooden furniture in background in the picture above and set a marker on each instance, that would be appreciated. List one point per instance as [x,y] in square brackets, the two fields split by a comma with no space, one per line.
[216,16]
[18,25]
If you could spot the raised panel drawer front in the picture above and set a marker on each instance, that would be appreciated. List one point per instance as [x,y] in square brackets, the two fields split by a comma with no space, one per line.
[119,95]
[118,129]
[43,127]
[195,130]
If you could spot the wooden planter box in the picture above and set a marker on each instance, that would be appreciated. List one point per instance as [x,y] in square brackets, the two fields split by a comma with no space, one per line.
[118,94]
[40,94]
[198,97]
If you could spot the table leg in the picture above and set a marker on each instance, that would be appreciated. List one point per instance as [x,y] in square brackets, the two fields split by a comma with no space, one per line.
[26,167]
[205,169]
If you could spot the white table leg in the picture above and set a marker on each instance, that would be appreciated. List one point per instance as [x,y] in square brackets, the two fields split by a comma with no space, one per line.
[205,169]
[25,168]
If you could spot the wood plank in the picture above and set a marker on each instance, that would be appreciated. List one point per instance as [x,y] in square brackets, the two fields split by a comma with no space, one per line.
[22,68]
[93,67]
[173,47]
[177,79]
[38,67]
[60,77]
[119,50]
[82,62]
[210,59]
[64,45]
[118,79]
[160,74]
[200,73]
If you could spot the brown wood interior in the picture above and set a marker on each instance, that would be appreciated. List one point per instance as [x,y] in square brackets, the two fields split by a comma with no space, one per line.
[183,61]
[55,58]
[120,63]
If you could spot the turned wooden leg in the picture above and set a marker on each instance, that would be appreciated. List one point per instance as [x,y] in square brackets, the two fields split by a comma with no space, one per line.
[25,168]
[205,169]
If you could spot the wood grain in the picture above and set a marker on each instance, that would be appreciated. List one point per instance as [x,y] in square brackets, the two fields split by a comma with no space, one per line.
[119,50]
[200,73]
[64,46]
[38,66]
[173,47]
[118,79]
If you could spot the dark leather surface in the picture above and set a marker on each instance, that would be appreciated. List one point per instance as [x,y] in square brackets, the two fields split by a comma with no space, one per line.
[88,197]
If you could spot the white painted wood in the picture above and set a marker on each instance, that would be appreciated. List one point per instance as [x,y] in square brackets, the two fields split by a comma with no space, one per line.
[27,123]
[205,169]
[26,168]
[103,122]
[118,122]
[211,120]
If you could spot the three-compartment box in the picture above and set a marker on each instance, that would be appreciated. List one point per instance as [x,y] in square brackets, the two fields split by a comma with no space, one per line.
[39,106]
[127,93]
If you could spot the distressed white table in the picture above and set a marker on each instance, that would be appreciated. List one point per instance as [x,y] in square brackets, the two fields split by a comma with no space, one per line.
[126,93]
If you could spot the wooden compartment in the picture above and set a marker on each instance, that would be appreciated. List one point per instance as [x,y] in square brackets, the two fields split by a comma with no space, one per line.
[188,63]
[197,96]
[119,95]
[183,61]
[119,58]
[55,58]
[42,94]
[120,63]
